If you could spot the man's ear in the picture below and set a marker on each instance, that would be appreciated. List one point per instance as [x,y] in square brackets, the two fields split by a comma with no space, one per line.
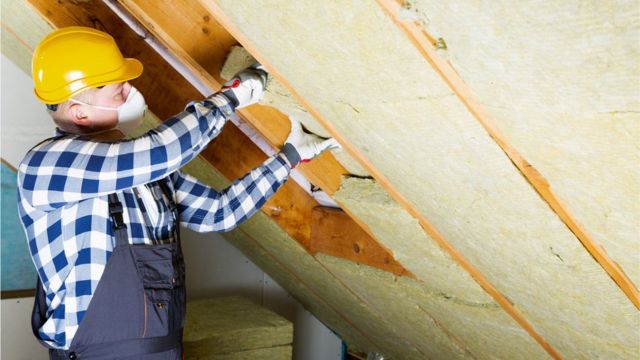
[78,115]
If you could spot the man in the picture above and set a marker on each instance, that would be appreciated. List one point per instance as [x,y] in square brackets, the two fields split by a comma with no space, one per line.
[101,213]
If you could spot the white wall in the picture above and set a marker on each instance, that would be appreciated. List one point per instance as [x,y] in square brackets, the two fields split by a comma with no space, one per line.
[214,267]
[23,120]
[17,341]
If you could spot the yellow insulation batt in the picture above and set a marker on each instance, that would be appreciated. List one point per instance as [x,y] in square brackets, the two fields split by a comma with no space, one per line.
[562,80]
[232,325]
[279,97]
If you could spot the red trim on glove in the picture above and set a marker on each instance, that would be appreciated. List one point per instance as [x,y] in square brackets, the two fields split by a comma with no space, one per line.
[233,85]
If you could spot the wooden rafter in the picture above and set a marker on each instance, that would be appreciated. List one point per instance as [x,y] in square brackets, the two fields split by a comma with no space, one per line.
[202,45]
[424,44]
[330,234]
[502,300]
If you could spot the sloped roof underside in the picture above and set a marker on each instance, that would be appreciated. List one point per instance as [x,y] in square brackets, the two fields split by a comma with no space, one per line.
[362,74]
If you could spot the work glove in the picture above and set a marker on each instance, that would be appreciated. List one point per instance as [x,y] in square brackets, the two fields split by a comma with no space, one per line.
[301,146]
[246,87]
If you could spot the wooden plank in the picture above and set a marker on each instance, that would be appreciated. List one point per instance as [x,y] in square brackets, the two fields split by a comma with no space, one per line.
[424,45]
[12,294]
[202,46]
[502,300]
[166,91]
[331,235]
[187,43]
[200,37]
[168,96]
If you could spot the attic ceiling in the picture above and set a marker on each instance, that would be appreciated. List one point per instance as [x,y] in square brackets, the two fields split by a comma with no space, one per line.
[495,207]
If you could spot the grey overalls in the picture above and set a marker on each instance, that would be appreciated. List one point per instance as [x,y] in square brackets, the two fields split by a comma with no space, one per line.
[138,308]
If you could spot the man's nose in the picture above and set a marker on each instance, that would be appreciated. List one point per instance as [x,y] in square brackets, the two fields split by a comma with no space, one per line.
[126,88]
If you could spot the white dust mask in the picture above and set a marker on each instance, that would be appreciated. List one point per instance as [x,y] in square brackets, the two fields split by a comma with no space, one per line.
[130,113]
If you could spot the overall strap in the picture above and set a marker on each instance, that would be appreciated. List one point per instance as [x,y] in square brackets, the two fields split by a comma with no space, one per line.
[47,140]
[119,227]
[172,207]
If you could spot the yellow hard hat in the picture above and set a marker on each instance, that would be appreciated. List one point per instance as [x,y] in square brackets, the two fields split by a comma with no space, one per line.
[72,59]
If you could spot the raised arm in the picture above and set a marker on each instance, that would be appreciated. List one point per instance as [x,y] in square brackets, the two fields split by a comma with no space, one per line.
[72,168]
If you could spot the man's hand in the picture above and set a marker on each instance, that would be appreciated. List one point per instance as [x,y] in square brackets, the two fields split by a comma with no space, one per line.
[247,87]
[302,147]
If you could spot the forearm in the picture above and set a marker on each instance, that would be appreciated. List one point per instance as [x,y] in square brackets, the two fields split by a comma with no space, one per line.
[203,209]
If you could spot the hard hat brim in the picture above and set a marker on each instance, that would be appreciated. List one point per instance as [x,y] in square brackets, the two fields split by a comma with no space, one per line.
[131,69]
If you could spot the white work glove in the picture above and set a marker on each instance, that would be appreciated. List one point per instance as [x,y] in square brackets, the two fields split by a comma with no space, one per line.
[247,86]
[302,147]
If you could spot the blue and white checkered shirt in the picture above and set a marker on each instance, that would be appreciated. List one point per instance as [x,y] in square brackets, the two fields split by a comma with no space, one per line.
[64,185]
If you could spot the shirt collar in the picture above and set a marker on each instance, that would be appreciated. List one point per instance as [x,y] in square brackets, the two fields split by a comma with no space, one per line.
[60,132]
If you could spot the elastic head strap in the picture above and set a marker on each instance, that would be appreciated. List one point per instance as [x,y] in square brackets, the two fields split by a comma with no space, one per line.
[95,106]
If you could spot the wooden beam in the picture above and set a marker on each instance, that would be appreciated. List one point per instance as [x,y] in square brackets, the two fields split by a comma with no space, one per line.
[502,300]
[190,33]
[423,44]
[331,235]
[7,164]
[232,153]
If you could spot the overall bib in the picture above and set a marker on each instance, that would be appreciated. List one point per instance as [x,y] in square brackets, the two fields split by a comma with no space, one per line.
[138,308]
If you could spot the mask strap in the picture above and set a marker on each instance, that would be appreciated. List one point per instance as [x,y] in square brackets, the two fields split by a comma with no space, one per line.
[95,106]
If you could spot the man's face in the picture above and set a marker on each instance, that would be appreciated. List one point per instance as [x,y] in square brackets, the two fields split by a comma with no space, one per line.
[112,96]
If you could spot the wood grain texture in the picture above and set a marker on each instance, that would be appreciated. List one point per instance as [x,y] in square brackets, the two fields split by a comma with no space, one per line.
[189,44]
[332,235]
[233,154]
